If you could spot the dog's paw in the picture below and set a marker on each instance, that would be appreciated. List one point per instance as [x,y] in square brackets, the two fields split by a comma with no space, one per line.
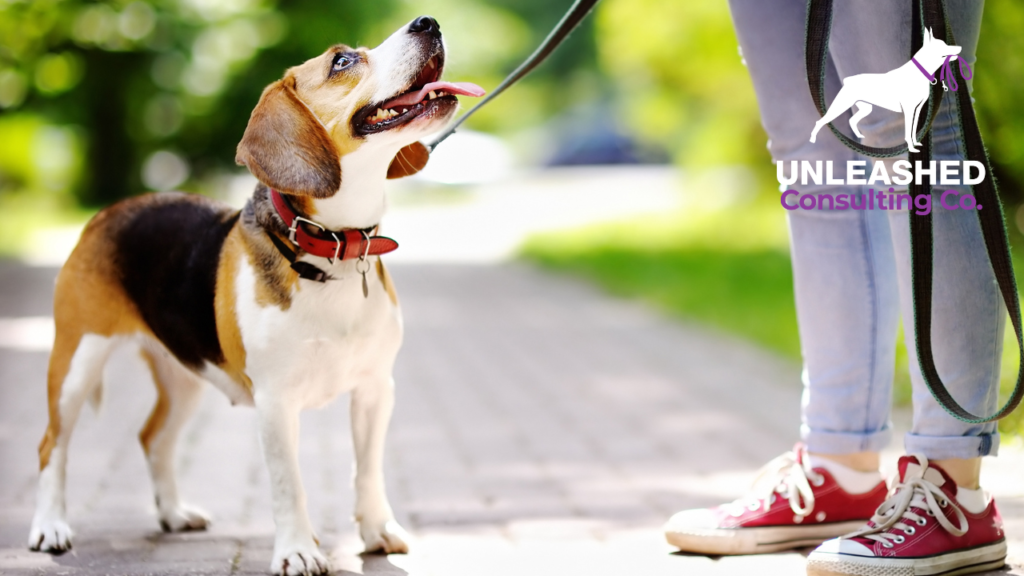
[299,561]
[53,536]
[184,518]
[387,537]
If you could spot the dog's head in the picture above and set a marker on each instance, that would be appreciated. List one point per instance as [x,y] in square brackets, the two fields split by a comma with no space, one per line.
[348,98]
[936,47]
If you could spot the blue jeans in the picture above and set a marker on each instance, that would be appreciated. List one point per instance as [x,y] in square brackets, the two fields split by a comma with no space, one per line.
[851,268]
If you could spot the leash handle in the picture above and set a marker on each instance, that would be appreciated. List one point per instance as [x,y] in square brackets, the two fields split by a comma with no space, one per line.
[569,22]
[931,13]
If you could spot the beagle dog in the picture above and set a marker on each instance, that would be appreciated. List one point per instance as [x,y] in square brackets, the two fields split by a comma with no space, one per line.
[283,305]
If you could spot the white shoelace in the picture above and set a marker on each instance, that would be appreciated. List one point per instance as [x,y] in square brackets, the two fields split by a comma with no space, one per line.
[895,513]
[786,476]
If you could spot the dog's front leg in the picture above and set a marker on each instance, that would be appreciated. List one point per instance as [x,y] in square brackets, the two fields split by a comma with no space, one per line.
[917,120]
[295,549]
[371,407]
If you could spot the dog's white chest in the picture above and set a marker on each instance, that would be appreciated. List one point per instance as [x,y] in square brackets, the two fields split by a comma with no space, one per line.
[329,340]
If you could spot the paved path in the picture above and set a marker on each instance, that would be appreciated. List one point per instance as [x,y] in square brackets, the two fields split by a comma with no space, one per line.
[541,429]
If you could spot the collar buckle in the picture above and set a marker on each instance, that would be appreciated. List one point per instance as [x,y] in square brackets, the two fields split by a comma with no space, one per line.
[294,227]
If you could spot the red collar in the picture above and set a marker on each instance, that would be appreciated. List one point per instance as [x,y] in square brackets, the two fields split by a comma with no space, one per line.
[341,244]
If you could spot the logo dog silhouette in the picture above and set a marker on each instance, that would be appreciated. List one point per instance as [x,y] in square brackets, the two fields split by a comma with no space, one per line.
[904,89]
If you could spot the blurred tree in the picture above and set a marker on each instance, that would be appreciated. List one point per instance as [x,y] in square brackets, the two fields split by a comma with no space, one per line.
[998,92]
[681,80]
[158,87]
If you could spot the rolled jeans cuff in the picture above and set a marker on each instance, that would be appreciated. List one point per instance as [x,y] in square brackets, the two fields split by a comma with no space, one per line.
[942,447]
[829,442]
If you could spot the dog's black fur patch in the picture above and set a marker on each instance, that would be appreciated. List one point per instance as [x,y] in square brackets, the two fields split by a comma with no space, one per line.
[167,256]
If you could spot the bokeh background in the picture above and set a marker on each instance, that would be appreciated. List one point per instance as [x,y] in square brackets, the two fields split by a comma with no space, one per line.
[104,100]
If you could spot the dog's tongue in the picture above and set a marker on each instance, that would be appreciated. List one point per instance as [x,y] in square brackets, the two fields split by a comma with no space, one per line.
[463,88]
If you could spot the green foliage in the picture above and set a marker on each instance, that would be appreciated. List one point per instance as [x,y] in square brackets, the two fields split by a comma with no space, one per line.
[725,268]
[998,92]
[680,79]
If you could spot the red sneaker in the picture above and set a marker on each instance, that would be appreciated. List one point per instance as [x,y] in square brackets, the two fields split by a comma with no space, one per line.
[790,506]
[919,530]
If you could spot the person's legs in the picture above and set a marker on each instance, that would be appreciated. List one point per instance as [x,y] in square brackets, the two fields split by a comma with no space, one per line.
[935,521]
[843,268]
[847,307]
[967,310]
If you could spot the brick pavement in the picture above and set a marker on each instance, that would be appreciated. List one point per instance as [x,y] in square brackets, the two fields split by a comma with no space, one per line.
[541,428]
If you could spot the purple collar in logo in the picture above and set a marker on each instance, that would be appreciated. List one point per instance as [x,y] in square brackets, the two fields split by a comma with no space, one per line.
[931,79]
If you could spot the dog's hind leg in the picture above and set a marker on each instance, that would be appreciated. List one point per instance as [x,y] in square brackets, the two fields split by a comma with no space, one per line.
[371,406]
[76,369]
[863,109]
[843,101]
[178,394]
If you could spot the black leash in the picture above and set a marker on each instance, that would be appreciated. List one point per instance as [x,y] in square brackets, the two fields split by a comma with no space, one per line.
[930,14]
[569,22]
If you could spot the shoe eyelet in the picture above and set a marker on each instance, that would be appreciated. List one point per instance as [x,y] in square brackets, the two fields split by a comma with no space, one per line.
[930,513]
[887,544]
[753,506]
[817,482]
[943,503]
[900,540]
[923,521]
[909,530]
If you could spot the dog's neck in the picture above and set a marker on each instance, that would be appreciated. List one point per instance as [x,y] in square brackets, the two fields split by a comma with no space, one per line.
[929,60]
[360,201]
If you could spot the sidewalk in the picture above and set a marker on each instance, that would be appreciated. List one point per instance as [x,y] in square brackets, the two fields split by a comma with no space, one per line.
[541,428]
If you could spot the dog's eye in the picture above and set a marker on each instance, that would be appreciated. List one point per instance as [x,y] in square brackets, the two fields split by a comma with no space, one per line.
[341,62]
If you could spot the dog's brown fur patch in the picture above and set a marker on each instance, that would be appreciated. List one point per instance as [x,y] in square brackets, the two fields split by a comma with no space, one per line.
[225,303]
[88,299]
[385,279]
[158,417]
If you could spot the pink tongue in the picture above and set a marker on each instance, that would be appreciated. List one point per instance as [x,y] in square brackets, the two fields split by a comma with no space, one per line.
[464,88]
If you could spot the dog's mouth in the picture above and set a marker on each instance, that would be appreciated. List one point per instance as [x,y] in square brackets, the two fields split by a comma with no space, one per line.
[427,95]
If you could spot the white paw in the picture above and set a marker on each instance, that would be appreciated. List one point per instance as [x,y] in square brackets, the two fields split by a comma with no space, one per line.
[299,561]
[184,518]
[858,134]
[387,537]
[52,536]
[912,149]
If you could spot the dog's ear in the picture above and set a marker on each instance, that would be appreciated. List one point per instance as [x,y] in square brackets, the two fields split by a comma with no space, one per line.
[287,148]
[928,36]
[409,160]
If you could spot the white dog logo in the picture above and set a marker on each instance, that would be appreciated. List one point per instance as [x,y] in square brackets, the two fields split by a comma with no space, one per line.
[903,89]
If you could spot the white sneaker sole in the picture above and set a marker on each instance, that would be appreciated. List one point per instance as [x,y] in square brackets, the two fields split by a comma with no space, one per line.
[723,541]
[980,559]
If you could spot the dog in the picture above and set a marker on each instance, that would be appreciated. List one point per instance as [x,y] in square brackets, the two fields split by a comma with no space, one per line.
[904,89]
[283,305]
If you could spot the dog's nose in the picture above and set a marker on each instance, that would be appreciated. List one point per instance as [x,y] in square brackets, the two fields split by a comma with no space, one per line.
[425,25]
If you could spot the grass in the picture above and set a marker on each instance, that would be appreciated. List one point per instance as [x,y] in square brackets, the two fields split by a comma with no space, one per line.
[726,267]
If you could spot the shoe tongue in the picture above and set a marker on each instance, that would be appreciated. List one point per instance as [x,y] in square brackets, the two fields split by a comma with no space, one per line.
[912,467]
